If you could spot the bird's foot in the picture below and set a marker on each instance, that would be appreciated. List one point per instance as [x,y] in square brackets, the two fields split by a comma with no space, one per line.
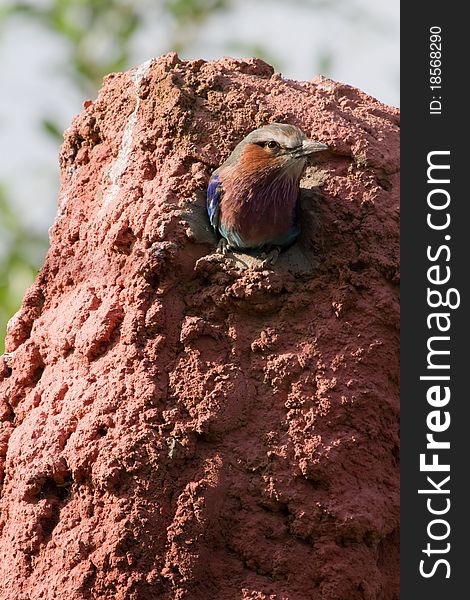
[223,247]
[223,250]
[270,258]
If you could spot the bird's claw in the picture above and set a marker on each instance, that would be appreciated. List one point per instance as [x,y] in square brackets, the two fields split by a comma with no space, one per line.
[222,251]
[270,259]
[223,247]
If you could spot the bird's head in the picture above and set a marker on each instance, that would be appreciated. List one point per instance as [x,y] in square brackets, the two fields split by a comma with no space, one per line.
[275,147]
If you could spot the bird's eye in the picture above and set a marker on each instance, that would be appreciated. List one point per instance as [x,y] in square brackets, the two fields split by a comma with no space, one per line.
[272,144]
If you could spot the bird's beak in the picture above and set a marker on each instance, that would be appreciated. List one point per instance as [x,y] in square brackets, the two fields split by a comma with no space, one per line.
[310,147]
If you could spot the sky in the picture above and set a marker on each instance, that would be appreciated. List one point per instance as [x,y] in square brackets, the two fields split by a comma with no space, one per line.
[361,50]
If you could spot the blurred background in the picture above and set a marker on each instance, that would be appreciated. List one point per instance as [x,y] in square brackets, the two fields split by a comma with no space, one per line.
[54,54]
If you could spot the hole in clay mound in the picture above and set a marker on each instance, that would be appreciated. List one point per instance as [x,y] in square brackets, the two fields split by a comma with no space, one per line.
[101,431]
[57,495]
[70,350]
[357,266]
[277,507]
[124,241]
[11,416]
[53,491]
[37,374]
[385,184]
[74,236]
[5,368]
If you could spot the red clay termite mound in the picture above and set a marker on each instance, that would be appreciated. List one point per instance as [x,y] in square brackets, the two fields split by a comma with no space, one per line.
[174,426]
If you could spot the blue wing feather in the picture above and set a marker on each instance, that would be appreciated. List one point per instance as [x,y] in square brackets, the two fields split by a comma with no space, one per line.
[214,195]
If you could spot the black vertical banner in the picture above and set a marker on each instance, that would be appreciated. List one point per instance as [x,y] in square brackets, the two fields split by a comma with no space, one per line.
[435,257]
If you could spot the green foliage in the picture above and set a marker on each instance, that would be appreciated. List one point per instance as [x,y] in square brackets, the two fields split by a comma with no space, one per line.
[194,11]
[21,253]
[99,33]
[52,129]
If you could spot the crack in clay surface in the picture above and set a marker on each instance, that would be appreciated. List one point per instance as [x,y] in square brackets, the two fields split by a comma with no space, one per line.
[119,165]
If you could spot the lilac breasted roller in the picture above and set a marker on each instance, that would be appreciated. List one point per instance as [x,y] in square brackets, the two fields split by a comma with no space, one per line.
[252,198]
